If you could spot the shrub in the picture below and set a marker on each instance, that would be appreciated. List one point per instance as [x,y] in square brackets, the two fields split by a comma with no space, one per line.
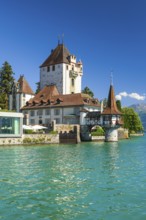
[53,132]
[98,132]
[28,132]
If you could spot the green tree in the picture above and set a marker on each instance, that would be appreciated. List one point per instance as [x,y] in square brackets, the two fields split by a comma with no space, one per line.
[86,90]
[118,102]
[3,103]
[38,87]
[6,81]
[131,120]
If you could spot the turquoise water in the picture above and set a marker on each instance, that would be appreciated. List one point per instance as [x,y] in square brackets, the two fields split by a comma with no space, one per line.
[88,181]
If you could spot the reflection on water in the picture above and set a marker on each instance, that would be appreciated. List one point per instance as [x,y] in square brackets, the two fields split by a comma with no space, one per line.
[85,181]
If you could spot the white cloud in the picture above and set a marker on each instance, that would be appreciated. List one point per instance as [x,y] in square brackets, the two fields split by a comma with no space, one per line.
[137,96]
[133,95]
[123,94]
[118,97]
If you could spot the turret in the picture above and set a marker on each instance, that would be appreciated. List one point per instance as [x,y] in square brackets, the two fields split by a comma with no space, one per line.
[20,94]
[111,117]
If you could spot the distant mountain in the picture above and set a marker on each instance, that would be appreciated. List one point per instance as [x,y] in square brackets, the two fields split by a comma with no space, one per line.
[139,107]
[141,110]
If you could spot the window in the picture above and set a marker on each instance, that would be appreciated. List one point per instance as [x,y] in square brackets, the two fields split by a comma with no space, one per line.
[32,121]
[47,112]
[31,113]
[48,69]
[72,82]
[9,125]
[41,96]
[40,112]
[66,67]
[47,121]
[56,111]
[53,68]
[40,121]
[57,120]
[72,67]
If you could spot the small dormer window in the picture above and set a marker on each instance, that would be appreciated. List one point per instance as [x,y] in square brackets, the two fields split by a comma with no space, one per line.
[58,101]
[86,100]
[42,102]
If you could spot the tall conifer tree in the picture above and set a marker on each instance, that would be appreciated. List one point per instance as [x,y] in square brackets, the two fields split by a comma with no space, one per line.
[6,81]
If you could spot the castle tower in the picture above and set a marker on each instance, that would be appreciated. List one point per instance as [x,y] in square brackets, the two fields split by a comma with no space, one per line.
[62,69]
[111,117]
[20,94]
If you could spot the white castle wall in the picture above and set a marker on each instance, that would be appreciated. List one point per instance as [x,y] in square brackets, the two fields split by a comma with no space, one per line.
[21,100]
[52,77]
[61,77]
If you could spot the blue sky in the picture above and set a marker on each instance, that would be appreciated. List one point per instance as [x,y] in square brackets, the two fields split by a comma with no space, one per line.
[107,35]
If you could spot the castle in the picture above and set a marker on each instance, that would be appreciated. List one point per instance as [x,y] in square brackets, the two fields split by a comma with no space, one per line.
[60,98]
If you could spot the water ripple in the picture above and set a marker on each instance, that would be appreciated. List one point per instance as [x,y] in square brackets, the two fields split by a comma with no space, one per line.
[87,181]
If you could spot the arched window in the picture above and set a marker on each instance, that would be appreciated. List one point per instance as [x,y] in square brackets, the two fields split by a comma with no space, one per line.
[72,82]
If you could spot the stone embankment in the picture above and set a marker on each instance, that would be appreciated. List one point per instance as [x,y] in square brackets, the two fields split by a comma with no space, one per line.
[60,134]
[29,139]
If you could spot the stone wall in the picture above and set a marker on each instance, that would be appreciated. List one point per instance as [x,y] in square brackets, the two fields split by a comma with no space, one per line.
[63,127]
[98,138]
[28,139]
[123,133]
[67,133]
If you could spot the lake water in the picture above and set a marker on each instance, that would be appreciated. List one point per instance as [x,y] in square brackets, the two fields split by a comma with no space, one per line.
[87,181]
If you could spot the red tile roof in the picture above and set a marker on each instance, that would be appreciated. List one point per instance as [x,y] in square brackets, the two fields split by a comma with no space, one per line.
[111,108]
[24,87]
[59,55]
[49,96]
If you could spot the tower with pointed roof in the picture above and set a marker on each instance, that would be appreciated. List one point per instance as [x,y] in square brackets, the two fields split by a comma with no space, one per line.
[21,92]
[62,69]
[111,117]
